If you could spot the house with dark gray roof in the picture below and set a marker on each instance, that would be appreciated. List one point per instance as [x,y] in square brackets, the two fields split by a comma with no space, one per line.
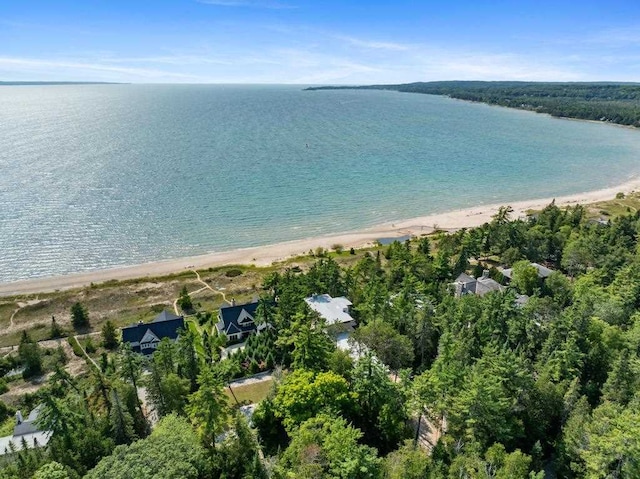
[26,434]
[145,337]
[465,284]
[237,321]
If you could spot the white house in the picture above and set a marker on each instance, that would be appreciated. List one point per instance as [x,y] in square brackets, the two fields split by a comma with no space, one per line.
[332,310]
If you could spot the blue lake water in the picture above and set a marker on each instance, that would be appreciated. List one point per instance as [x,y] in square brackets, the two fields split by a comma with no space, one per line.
[98,176]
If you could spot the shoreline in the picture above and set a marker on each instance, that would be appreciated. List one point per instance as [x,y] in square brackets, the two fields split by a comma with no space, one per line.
[269,254]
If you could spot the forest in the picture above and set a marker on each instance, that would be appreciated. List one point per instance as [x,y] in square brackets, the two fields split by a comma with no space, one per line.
[439,386]
[610,102]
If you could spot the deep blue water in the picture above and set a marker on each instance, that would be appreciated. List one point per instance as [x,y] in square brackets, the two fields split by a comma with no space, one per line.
[96,176]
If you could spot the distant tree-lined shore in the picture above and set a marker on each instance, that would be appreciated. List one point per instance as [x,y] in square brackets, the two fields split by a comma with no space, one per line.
[609,102]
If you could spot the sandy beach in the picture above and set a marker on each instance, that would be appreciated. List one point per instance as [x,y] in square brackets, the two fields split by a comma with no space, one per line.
[266,255]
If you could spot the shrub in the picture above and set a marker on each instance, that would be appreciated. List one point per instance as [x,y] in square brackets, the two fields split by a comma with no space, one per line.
[79,316]
[232,273]
[56,330]
[77,350]
[89,347]
[185,300]
[109,335]
[61,356]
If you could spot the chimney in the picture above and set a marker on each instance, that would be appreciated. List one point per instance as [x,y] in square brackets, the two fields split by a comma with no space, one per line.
[458,289]
[19,417]
[485,273]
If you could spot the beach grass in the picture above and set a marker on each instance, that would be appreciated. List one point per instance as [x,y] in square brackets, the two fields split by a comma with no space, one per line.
[6,310]
[129,301]
[623,204]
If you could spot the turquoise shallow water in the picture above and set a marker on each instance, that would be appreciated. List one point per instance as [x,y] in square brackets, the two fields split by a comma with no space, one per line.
[98,176]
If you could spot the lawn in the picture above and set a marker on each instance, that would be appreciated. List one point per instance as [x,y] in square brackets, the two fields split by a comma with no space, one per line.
[250,393]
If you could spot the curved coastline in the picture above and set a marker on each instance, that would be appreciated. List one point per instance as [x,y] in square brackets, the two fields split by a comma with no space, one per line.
[268,254]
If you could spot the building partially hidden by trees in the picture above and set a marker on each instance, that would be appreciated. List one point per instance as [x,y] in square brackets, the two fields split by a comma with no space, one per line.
[466,284]
[145,337]
[27,434]
[238,321]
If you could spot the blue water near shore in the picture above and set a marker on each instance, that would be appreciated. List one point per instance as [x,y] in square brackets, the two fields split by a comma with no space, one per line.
[97,176]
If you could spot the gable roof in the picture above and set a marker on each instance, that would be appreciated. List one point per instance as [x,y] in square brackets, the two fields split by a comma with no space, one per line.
[28,426]
[238,318]
[165,316]
[464,278]
[486,285]
[233,328]
[149,337]
[465,284]
[543,271]
[165,325]
[333,310]
[245,317]
[25,433]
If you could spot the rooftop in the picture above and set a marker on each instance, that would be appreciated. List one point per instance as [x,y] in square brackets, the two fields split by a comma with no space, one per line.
[465,284]
[26,433]
[333,310]
[238,318]
[486,285]
[165,325]
[543,271]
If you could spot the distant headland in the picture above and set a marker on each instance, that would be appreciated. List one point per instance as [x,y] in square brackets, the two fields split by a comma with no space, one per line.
[613,102]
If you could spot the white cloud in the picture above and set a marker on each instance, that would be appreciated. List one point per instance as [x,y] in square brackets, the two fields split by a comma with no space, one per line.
[482,66]
[302,54]
[75,69]
[616,37]
[374,45]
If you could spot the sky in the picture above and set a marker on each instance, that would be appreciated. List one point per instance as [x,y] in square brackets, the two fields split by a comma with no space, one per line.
[318,42]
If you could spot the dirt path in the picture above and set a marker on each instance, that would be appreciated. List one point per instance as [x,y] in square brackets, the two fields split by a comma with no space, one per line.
[12,316]
[258,378]
[430,433]
[21,304]
[193,293]
[84,352]
[217,291]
